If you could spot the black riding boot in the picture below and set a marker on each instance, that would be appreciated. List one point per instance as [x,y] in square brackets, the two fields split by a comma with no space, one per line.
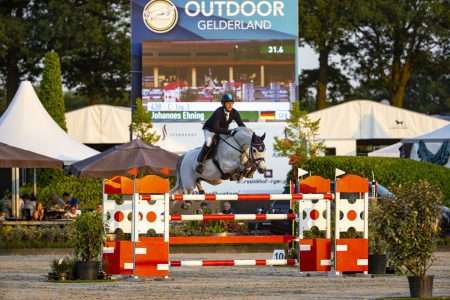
[201,158]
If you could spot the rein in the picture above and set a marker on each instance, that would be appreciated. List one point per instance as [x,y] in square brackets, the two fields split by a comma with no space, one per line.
[252,159]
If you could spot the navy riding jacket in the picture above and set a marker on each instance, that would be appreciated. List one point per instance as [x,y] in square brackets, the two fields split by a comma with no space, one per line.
[218,123]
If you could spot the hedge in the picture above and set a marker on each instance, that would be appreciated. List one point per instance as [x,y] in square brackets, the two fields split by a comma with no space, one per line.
[387,171]
[47,236]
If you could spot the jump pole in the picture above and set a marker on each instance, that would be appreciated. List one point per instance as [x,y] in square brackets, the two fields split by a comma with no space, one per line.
[240,197]
[233,262]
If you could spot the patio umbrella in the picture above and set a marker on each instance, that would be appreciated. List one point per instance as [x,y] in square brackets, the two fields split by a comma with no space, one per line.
[12,157]
[119,160]
[129,159]
[15,158]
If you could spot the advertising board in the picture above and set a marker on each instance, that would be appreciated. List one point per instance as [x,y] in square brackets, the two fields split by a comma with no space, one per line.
[187,53]
[181,137]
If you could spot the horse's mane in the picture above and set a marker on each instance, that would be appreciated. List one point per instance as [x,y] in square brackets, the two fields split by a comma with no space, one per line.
[244,129]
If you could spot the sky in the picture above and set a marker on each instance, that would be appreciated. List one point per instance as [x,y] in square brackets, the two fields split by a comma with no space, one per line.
[307,59]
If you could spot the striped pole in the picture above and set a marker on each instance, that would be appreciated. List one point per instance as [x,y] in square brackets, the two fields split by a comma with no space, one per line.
[237,217]
[231,240]
[233,262]
[241,197]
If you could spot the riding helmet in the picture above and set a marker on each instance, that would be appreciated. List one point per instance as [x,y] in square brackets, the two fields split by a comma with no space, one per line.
[227,98]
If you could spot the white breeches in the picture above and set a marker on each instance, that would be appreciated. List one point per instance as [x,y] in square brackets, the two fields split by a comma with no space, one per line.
[208,137]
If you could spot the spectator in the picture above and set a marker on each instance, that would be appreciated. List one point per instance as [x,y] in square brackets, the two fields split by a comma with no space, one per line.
[55,202]
[204,209]
[227,210]
[38,214]
[28,206]
[70,201]
[72,213]
[6,205]
[186,204]
[99,208]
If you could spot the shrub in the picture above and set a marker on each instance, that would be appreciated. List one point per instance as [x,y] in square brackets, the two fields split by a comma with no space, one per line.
[87,190]
[35,236]
[389,172]
[411,226]
[88,236]
[62,265]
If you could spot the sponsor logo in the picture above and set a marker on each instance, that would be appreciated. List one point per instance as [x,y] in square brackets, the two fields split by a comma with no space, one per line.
[399,124]
[160,16]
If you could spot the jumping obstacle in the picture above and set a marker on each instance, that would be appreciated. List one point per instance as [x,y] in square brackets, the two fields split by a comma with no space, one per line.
[151,256]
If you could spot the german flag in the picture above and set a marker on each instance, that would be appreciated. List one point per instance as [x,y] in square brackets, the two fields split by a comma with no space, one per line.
[267,115]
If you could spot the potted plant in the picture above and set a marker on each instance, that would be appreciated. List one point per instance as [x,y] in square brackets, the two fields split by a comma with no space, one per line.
[410,229]
[377,246]
[62,269]
[89,235]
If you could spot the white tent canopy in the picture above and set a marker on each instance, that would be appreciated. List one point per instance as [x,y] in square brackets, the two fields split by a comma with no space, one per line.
[99,124]
[364,119]
[440,134]
[342,125]
[389,151]
[433,142]
[27,125]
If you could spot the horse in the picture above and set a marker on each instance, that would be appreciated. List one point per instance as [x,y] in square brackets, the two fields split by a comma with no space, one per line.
[236,156]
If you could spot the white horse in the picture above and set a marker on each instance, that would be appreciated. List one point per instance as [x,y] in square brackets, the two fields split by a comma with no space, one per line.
[236,156]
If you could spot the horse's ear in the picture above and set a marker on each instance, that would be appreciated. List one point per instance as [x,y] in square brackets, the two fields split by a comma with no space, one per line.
[263,136]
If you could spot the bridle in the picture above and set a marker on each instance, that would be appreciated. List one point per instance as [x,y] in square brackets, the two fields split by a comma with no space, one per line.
[252,161]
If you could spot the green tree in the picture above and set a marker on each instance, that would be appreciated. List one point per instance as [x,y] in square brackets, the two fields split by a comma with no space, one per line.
[50,90]
[339,87]
[429,88]
[142,124]
[299,143]
[324,25]
[394,39]
[17,57]
[91,37]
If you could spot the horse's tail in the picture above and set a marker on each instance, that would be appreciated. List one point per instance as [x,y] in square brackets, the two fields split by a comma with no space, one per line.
[179,183]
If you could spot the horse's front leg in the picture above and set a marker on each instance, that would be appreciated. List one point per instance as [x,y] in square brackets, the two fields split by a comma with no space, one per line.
[199,186]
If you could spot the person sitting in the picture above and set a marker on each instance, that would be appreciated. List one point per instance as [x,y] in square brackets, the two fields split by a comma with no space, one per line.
[28,206]
[72,213]
[70,201]
[56,203]
[218,123]
[39,212]
[204,209]
[227,210]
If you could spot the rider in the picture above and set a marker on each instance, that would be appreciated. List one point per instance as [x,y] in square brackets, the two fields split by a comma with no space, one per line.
[218,124]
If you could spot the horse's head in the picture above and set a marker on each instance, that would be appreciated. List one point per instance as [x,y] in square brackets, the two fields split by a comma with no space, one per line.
[258,152]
